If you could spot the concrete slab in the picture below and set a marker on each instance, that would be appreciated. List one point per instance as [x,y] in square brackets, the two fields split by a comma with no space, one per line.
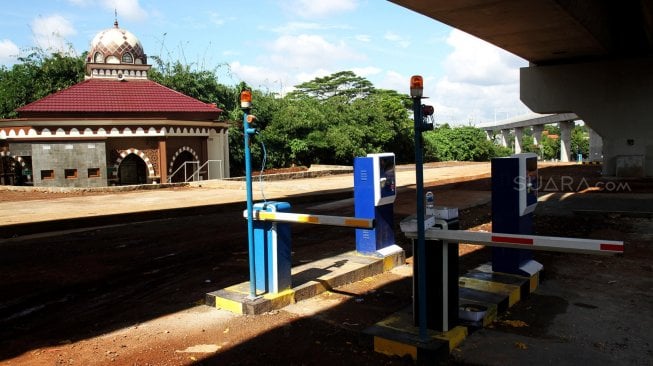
[308,280]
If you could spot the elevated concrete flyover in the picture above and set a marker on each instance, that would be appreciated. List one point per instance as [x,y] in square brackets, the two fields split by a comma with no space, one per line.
[591,58]
[537,121]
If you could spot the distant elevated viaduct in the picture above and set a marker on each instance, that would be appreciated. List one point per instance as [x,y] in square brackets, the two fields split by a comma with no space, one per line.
[536,122]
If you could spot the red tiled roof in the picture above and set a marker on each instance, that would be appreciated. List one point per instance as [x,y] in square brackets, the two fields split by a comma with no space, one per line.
[97,96]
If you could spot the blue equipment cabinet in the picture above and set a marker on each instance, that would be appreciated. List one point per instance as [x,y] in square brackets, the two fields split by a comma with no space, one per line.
[514,198]
[374,195]
[272,247]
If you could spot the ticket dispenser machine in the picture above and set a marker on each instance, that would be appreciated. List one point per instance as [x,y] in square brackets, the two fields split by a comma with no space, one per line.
[374,196]
[514,197]
[272,247]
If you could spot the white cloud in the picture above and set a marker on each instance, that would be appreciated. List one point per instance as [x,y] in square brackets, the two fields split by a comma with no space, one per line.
[366,71]
[308,76]
[298,27]
[264,78]
[477,62]
[480,81]
[402,42]
[394,80]
[248,73]
[308,52]
[290,60]
[363,38]
[8,51]
[50,32]
[216,18]
[320,8]
[127,9]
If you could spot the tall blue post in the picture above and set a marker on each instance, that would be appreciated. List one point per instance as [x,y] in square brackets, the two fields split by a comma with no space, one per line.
[245,103]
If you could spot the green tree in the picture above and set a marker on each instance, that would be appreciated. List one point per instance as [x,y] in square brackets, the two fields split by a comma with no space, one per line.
[331,120]
[36,76]
[501,151]
[528,144]
[552,129]
[265,106]
[550,142]
[465,143]
[396,108]
[580,141]
[200,84]
[550,147]
[341,84]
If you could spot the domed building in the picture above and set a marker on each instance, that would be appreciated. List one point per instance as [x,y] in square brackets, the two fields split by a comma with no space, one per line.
[116,52]
[116,127]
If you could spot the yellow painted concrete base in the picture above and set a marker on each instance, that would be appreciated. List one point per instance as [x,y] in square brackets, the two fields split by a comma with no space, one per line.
[311,279]
[397,335]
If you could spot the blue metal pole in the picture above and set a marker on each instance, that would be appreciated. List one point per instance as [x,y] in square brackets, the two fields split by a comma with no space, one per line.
[247,130]
[421,249]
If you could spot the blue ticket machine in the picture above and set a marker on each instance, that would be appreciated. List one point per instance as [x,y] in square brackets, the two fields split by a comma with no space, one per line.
[272,247]
[374,196]
[514,198]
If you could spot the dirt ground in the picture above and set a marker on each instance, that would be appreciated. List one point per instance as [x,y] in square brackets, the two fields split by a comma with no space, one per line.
[132,294]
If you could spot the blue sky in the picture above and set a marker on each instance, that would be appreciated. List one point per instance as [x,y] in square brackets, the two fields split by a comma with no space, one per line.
[275,44]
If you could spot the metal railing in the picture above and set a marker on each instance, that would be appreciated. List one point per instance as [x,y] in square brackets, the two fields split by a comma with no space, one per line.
[217,173]
[183,168]
[196,174]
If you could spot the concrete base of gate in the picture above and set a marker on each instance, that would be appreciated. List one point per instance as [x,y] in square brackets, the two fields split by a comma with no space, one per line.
[309,280]
[397,335]
[480,288]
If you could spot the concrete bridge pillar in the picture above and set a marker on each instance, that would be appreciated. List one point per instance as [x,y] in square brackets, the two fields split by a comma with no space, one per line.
[505,137]
[596,146]
[613,97]
[537,135]
[519,132]
[565,140]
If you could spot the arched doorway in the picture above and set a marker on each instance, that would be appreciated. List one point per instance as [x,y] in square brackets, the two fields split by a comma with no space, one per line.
[181,174]
[132,170]
[10,169]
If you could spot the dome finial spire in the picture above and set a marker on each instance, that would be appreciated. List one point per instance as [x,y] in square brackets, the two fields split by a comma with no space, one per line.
[115,22]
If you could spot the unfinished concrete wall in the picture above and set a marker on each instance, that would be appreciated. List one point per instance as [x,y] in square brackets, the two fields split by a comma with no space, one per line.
[69,164]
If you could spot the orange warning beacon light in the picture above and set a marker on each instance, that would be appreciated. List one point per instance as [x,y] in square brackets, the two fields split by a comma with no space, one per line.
[246,99]
[416,86]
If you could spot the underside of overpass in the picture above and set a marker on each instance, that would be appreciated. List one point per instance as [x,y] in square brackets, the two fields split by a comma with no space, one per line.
[592,58]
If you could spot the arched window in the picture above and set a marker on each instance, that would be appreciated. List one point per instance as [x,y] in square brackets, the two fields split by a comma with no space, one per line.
[127,58]
[98,58]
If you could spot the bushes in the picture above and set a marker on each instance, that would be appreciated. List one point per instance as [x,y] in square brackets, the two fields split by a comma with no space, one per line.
[463,143]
